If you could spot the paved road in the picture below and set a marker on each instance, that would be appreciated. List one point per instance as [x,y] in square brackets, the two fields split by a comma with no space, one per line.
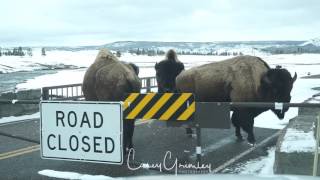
[20,157]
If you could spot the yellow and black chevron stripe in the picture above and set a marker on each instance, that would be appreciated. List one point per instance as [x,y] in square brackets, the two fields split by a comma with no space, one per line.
[167,106]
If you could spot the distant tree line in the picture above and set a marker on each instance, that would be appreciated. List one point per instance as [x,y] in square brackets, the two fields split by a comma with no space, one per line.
[156,52]
[17,51]
[149,52]
[292,49]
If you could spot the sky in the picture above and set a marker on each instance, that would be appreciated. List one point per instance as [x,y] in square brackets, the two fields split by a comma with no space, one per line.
[96,22]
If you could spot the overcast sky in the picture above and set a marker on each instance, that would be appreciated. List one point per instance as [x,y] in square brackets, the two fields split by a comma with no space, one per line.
[95,22]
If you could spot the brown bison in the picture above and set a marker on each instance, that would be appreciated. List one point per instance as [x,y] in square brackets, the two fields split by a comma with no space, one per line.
[167,71]
[109,79]
[239,79]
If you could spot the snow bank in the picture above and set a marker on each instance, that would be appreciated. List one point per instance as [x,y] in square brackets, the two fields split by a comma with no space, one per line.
[315,42]
[298,141]
[19,118]
[260,166]
[72,175]
[303,64]
[61,78]
[53,58]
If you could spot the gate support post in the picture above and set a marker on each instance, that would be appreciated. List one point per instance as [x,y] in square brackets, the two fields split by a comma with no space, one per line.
[316,153]
[198,147]
[148,84]
[45,93]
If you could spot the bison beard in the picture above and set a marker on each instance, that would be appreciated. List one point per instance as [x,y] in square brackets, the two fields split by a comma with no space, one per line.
[239,79]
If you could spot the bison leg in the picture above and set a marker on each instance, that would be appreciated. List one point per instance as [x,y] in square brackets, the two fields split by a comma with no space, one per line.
[251,138]
[128,134]
[246,122]
[236,123]
[189,131]
[249,130]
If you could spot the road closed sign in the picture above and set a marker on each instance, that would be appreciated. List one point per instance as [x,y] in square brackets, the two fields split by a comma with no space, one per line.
[82,131]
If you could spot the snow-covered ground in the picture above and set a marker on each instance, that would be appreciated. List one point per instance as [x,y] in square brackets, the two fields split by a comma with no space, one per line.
[72,175]
[303,65]
[11,119]
[262,165]
[53,58]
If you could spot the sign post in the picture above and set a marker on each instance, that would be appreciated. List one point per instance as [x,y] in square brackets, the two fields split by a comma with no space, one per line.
[82,131]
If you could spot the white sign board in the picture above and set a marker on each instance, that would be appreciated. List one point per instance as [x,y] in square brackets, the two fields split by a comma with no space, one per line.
[82,131]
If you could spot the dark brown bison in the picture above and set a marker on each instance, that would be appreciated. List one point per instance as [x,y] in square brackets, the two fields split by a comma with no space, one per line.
[109,79]
[167,71]
[239,79]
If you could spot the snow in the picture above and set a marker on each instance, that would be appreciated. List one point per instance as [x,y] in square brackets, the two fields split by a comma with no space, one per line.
[298,141]
[295,140]
[146,64]
[53,58]
[259,166]
[315,42]
[302,64]
[10,119]
[72,175]
[61,78]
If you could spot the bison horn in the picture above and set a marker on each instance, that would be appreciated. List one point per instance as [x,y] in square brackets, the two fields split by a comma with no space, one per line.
[294,77]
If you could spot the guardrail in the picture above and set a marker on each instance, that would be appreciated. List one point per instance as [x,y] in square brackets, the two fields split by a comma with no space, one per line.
[231,104]
[64,92]
[147,83]
[197,122]
[74,91]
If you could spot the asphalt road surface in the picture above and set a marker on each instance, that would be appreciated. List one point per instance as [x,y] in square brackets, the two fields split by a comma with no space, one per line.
[20,154]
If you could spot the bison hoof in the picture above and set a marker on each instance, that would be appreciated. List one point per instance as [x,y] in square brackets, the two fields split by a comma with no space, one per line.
[251,140]
[189,132]
[239,139]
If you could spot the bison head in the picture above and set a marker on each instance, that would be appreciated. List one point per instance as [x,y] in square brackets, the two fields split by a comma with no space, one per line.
[135,68]
[276,86]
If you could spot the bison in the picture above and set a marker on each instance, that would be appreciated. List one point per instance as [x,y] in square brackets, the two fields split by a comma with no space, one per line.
[239,79]
[109,79]
[167,71]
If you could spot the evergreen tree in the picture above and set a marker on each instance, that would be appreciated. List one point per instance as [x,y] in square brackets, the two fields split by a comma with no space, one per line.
[20,51]
[29,51]
[15,52]
[118,54]
[143,52]
[43,51]
[138,52]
